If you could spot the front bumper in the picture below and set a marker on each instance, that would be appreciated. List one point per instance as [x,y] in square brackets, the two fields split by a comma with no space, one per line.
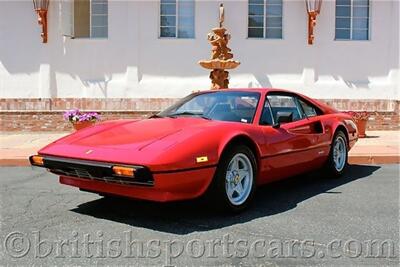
[156,186]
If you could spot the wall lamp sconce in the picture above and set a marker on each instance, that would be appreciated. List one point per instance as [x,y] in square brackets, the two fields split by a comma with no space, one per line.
[313,9]
[41,7]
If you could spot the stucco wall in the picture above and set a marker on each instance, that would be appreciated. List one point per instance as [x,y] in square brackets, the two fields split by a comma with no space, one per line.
[133,62]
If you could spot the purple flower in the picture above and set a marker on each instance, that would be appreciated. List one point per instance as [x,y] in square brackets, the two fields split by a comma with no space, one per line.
[75,115]
[69,114]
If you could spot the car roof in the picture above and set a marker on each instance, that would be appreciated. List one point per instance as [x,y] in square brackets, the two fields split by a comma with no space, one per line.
[259,90]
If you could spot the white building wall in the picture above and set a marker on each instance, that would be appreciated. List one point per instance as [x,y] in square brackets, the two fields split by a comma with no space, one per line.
[134,62]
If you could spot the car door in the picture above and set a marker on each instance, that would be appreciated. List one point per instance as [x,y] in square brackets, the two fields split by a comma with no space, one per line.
[293,146]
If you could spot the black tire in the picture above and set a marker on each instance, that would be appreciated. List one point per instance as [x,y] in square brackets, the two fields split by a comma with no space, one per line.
[216,195]
[331,167]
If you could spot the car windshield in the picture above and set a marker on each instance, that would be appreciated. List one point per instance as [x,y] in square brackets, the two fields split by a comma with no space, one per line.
[222,105]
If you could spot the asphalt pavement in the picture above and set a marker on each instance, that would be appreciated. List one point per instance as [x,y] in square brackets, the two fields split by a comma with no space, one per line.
[306,220]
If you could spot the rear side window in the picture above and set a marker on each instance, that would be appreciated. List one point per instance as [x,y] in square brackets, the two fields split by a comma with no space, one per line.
[284,103]
[308,110]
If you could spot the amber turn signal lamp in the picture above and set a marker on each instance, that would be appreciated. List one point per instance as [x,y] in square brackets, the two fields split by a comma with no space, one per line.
[123,171]
[37,160]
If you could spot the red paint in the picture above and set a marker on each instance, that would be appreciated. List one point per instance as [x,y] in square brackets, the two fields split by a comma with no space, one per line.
[170,146]
[167,186]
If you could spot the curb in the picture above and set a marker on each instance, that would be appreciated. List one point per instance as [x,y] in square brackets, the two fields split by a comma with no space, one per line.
[14,162]
[357,159]
[365,159]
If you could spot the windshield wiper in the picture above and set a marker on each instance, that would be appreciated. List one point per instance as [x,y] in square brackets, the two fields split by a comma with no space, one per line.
[188,113]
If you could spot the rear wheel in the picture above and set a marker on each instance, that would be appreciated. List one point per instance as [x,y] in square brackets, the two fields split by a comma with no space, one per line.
[233,185]
[337,161]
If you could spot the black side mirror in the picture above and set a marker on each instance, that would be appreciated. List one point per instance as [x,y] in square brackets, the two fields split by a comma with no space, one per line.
[276,125]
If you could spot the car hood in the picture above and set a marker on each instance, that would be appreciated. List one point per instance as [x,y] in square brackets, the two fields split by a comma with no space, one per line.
[127,141]
[131,134]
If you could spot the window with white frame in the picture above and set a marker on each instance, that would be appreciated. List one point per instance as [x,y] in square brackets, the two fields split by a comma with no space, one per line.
[352,20]
[85,18]
[98,19]
[177,18]
[265,19]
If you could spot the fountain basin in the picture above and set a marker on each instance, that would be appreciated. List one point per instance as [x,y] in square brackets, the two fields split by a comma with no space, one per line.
[219,64]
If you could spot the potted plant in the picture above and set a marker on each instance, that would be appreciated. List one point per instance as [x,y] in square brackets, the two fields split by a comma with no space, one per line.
[361,119]
[80,119]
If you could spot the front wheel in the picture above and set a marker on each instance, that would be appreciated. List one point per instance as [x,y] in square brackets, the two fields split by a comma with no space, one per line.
[234,183]
[337,161]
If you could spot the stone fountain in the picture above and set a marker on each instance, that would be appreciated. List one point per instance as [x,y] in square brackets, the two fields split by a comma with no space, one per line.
[221,56]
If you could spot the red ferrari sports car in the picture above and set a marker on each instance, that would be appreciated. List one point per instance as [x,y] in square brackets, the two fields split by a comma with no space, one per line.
[221,144]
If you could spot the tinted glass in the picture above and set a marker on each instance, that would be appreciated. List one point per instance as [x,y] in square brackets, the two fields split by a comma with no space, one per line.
[308,109]
[266,116]
[224,106]
[284,103]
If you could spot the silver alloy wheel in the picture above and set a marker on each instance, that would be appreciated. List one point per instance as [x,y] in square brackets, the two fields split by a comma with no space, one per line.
[339,153]
[239,179]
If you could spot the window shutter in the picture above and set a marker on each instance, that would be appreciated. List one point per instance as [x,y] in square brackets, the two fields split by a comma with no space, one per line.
[67,17]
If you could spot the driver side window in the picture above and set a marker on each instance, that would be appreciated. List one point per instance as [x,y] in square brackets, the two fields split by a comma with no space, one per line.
[266,116]
[284,104]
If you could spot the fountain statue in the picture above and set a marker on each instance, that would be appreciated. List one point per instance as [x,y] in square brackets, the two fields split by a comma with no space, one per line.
[221,56]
